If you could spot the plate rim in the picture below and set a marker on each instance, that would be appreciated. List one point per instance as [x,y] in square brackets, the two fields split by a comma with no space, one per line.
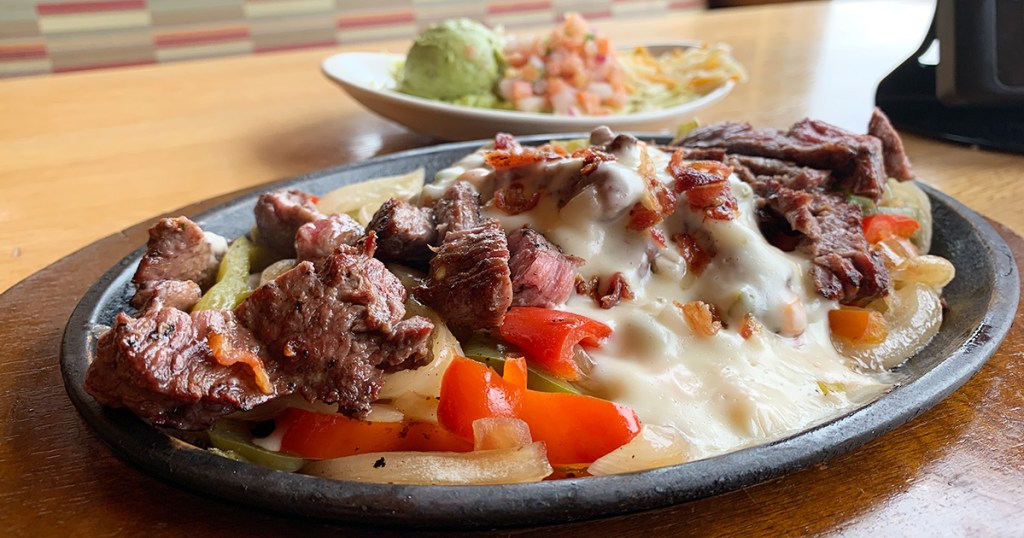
[530,504]
[349,83]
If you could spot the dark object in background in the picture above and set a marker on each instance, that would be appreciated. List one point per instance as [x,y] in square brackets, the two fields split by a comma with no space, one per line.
[975,93]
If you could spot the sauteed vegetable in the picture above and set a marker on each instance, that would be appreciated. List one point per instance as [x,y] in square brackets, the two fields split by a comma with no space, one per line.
[593,307]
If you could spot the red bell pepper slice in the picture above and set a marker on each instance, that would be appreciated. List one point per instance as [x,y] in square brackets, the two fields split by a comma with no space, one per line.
[577,429]
[318,436]
[470,390]
[883,226]
[548,336]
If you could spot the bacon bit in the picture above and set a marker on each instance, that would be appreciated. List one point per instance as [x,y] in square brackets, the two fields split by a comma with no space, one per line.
[554,148]
[719,169]
[586,287]
[501,159]
[700,316]
[505,141]
[697,256]
[592,158]
[657,201]
[513,200]
[750,326]
[618,288]
[227,354]
[659,238]
[705,184]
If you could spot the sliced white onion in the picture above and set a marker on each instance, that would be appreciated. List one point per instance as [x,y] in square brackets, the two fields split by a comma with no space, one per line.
[655,446]
[504,466]
[934,271]
[352,198]
[500,432]
[417,407]
[425,380]
[913,314]
[383,413]
[276,269]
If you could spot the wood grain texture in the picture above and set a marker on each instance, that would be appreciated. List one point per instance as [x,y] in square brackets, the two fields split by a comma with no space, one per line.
[85,155]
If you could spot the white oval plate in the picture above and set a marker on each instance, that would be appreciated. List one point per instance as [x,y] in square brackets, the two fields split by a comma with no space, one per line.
[369,78]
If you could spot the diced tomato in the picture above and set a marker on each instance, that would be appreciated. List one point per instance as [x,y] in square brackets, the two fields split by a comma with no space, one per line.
[548,336]
[884,226]
[319,436]
[576,429]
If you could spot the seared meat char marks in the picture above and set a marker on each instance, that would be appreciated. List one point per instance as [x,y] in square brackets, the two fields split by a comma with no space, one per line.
[160,367]
[458,209]
[335,328]
[794,174]
[329,331]
[319,239]
[280,214]
[469,282]
[897,164]
[179,262]
[856,161]
[404,232]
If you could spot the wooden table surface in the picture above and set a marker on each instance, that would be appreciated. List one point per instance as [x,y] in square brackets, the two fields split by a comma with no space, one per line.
[86,155]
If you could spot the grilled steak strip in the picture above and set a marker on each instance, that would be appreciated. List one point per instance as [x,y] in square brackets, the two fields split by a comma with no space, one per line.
[458,209]
[469,282]
[404,232]
[160,367]
[854,160]
[317,240]
[279,215]
[541,274]
[333,329]
[177,252]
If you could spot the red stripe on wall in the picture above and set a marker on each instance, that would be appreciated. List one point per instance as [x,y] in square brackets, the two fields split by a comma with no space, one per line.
[179,39]
[589,15]
[279,48]
[88,67]
[22,52]
[497,9]
[89,7]
[376,20]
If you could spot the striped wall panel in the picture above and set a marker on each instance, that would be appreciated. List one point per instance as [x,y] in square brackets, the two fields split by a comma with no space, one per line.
[55,36]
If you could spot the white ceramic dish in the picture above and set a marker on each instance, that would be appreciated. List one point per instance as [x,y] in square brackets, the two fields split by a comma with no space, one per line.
[369,78]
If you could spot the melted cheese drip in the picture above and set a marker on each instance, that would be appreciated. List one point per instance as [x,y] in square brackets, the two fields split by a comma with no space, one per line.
[721,392]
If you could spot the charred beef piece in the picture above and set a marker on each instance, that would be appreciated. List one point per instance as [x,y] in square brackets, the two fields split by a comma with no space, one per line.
[180,294]
[469,281]
[855,160]
[280,214]
[161,368]
[897,165]
[821,223]
[335,328]
[458,209]
[317,240]
[404,232]
[541,274]
[177,250]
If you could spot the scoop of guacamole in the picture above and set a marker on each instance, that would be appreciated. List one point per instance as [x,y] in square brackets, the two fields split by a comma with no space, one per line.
[457,61]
